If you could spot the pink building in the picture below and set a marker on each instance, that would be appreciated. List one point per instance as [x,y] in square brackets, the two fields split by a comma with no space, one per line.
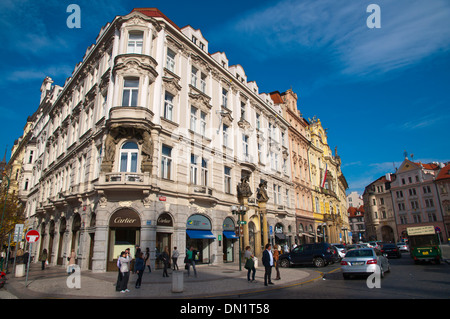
[415,197]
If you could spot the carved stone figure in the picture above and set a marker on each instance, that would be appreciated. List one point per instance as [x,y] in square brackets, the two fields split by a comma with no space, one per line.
[262,192]
[147,147]
[243,188]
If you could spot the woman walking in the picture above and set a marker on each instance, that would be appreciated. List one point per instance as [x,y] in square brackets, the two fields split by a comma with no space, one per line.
[276,255]
[175,255]
[147,259]
[249,263]
[43,258]
[165,259]
[72,257]
[139,268]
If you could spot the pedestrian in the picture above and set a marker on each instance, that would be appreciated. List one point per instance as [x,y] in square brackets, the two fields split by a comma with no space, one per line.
[43,258]
[139,268]
[276,255]
[147,259]
[137,252]
[119,275]
[26,256]
[267,260]
[70,268]
[164,257]
[125,262]
[175,255]
[249,263]
[190,258]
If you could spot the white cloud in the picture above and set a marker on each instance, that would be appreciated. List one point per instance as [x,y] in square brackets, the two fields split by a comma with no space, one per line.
[410,31]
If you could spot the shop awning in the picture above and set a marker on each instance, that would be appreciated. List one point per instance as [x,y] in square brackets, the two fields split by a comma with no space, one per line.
[198,234]
[280,236]
[230,234]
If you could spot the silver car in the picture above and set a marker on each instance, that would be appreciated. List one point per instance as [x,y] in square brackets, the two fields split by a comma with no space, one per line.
[364,261]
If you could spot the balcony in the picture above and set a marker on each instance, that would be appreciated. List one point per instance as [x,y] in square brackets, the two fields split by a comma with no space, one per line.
[123,181]
[130,115]
[201,193]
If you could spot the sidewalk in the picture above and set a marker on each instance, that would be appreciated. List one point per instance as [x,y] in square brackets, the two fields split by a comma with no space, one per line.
[212,282]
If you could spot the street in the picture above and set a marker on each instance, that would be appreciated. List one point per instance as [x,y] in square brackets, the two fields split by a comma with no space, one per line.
[405,281]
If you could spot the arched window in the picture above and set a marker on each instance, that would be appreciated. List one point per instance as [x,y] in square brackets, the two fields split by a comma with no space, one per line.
[129,157]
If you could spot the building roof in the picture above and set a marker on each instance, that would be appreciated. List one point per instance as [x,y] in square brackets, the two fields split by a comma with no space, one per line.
[353,211]
[155,13]
[444,173]
[276,97]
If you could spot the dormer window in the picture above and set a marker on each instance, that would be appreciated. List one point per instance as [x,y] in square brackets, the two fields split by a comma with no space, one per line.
[194,40]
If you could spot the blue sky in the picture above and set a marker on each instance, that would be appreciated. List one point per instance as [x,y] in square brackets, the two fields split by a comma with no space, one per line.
[378,91]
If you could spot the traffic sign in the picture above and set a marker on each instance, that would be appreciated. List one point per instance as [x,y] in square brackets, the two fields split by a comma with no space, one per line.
[18,232]
[437,229]
[242,222]
[32,236]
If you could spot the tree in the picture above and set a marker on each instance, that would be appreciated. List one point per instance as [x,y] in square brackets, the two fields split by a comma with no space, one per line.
[13,213]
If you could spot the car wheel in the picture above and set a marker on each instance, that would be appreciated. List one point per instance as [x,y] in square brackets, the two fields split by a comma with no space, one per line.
[318,262]
[284,263]
[381,272]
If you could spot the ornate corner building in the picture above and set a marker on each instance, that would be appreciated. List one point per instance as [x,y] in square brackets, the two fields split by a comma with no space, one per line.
[145,143]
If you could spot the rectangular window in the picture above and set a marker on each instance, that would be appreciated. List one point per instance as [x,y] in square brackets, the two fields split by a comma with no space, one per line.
[275,199]
[168,107]
[258,121]
[170,62]
[203,83]
[135,42]
[203,123]
[193,125]
[245,145]
[224,98]
[204,174]
[130,92]
[194,77]
[225,135]
[227,184]
[194,169]
[242,111]
[166,162]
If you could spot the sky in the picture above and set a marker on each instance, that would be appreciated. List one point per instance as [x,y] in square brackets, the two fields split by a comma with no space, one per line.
[378,91]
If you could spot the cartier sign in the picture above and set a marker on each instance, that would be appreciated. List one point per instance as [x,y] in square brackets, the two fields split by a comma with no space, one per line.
[164,220]
[125,218]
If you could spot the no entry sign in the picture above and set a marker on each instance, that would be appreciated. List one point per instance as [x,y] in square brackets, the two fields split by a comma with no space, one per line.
[32,236]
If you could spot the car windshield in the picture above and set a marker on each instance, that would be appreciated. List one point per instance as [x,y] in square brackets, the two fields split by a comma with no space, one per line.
[339,246]
[360,253]
[389,246]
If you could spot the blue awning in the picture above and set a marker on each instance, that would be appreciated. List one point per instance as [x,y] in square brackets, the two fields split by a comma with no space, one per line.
[230,234]
[198,234]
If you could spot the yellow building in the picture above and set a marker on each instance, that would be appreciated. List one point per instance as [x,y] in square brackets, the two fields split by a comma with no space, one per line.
[328,187]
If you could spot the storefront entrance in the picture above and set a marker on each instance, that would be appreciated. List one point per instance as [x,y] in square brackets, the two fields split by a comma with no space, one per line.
[124,232]
[164,230]
[199,236]
[229,240]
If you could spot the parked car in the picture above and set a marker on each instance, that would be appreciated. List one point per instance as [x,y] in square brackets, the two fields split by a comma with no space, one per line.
[373,244]
[364,262]
[390,250]
[340,249]
[354,246]
[319,255]
[402,247]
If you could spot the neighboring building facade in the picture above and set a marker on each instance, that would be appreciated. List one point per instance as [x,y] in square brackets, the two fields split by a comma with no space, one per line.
[415,197]
[145,144]
[354,199]
[357,231]
[328,186]
[379,212]
[299,144]
[442,183]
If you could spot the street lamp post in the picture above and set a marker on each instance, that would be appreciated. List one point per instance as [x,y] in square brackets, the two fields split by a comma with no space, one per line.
[240,211]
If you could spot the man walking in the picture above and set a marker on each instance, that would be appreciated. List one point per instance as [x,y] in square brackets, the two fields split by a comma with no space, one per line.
[267,260]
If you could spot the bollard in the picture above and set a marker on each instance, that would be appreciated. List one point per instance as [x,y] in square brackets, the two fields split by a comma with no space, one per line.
[177,281]
[20,270]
